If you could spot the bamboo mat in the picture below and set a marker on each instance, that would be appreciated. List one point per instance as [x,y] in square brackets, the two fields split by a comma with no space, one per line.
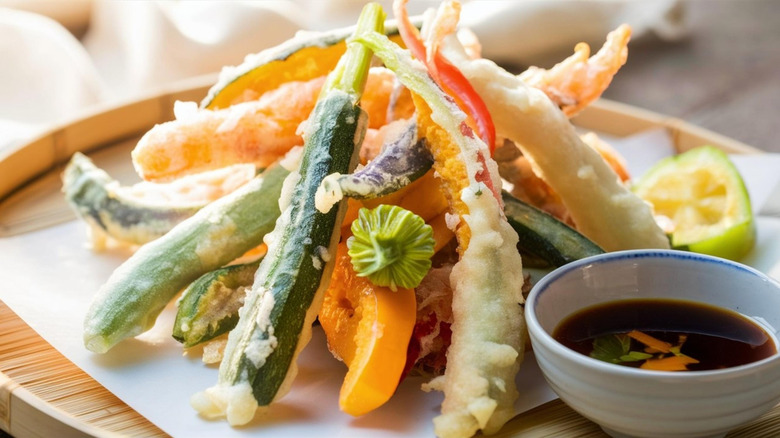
[42,394]
[65,401]
[30,365]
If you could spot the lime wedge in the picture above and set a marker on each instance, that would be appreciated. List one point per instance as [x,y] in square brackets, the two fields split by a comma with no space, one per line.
[703,195]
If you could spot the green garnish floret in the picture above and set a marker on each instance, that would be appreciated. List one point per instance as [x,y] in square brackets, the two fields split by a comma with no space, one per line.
[391,246]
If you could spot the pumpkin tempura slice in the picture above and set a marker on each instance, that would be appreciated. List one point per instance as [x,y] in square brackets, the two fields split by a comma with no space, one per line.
[307,55]
[450,170]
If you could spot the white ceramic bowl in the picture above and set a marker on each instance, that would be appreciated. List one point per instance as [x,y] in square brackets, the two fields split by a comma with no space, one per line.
[632,402]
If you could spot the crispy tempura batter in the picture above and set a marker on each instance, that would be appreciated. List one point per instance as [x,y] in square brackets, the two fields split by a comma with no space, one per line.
[577,81]
[527,186]
[450,169]
[258,132]
[487,329]
[603,209]
[443,23]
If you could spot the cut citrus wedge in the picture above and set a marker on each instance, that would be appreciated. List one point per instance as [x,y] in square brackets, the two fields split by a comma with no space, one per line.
[704,196]
[369,328]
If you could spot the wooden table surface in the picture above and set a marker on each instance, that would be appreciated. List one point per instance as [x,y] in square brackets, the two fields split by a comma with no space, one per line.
[725,76]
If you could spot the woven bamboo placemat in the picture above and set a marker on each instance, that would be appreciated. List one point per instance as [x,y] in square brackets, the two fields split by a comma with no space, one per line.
[42,394]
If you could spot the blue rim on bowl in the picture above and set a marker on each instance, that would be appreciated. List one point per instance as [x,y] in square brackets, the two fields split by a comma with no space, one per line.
[542,285]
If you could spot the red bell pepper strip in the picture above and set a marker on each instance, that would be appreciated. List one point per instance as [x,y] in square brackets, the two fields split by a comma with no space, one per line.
[448,77]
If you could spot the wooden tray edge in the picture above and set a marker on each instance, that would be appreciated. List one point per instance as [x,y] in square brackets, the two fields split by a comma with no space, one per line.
[37,395]
[17,402]
[101,125]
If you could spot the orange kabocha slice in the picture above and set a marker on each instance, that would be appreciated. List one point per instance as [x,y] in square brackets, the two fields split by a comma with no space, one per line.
[368,327]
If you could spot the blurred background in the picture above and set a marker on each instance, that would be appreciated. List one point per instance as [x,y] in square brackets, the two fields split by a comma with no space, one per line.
[724,75]
[713,63]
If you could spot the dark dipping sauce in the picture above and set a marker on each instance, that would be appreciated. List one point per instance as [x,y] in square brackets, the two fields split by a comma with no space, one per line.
[716,337]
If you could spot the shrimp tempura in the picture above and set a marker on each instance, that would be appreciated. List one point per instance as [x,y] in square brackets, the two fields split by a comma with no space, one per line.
[575,82]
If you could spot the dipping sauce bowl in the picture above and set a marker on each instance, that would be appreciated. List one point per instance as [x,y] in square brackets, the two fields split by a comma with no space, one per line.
[633,402]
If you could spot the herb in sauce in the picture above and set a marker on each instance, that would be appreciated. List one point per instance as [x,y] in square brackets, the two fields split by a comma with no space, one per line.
[668,335]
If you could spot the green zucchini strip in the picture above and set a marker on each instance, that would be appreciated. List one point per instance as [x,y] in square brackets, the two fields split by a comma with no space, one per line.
[543,236]
[209,306]
[136,292]
[275,322]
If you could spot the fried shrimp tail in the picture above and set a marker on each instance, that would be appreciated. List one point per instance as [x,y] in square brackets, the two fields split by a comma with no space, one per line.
[580,79]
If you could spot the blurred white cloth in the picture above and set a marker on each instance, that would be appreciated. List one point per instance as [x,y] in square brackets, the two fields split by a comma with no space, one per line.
[48,77]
